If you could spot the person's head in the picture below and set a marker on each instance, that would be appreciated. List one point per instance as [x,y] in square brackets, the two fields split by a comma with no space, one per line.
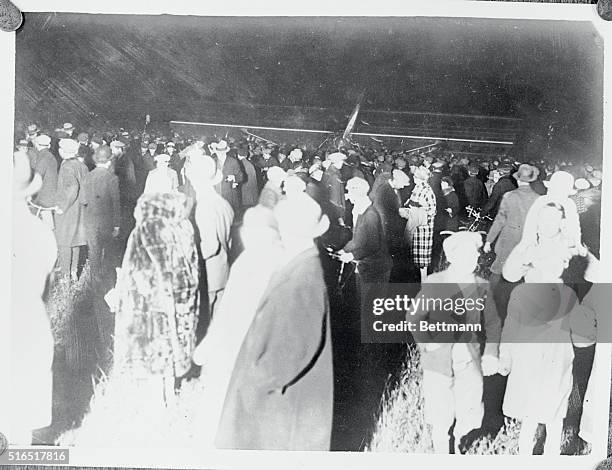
[357,189]
[68,148]
[152,147]
[201,170]
[560,185]
[96,141]
[421,174]
[23,145]
[276,176]
[399,179]
[259,228]
[294,185]
[102,156]
[427,161]
[473,169]
[220,149]
[550,220]
[526,174]
[400,163]
[337,159]
[83,138]
[495,176]
[162,160]
[42,142]
[446,183]
[300,220]
[462,251]
[68,128]
[117,148]
[170,148]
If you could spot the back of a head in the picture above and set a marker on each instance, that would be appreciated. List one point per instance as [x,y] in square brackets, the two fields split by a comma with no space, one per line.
[259,228]
[300,217]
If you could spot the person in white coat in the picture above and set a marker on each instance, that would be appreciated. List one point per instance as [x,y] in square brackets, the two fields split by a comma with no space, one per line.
[162,179]
[249,277]
[31,354]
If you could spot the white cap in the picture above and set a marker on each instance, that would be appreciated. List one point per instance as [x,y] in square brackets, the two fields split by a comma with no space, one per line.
[43,140]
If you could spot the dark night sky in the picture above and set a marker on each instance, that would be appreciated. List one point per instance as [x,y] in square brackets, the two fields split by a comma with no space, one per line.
[121,67]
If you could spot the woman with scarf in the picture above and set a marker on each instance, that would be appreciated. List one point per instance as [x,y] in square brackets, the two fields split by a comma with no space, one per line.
[157,306]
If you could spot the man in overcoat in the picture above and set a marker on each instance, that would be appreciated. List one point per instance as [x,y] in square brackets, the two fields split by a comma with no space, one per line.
[233,176]
[213,218]
[69,222]
[100,196]
[280,395]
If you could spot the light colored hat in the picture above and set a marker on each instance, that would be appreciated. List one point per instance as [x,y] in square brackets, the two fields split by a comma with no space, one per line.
[561,181]
[294,184]
[69,146]
[202,169]
[162,158]
[317,174]
[43,140]
[22,143]
[336,157]
[117,143]
[276,175]
[220,147]
[526,173]
[26,182]
[400,177]
[67,126]
[581,184]
[301,216]
[296,154]
[358,185]
[462,241]
[170,144]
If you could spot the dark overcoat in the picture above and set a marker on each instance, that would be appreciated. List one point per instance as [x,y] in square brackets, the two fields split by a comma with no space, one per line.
[100,195]
[507,228]
[225,188]
[70,225]
[504,185]
[280,396]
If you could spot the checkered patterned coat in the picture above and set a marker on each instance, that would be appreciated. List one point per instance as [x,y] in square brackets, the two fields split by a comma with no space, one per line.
[422,238]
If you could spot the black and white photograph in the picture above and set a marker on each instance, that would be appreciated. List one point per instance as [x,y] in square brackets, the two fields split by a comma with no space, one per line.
[206,208]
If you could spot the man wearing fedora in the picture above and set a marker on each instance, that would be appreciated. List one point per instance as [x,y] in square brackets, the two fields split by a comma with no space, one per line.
[264,162]
[69,221]
[102,216]
[213,220]
[506,233]
[333,185]
[233,176]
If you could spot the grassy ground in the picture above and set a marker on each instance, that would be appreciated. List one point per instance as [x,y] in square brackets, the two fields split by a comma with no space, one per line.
[401,426]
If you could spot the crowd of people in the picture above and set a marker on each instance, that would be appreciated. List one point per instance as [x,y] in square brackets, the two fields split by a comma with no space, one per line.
[182,230]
